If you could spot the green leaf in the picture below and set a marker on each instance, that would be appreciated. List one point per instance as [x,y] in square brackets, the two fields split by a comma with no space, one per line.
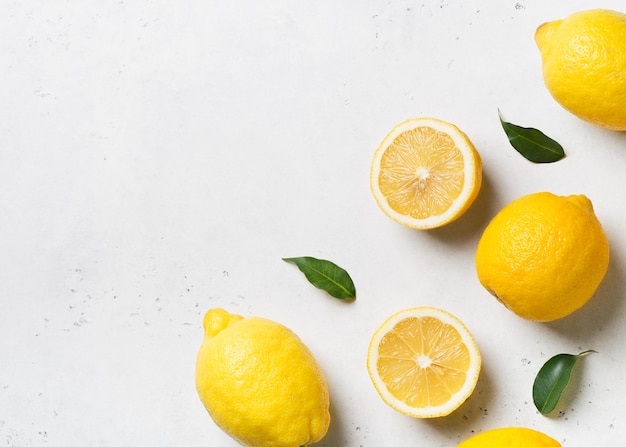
[533,144]
[552,379]
[326,275]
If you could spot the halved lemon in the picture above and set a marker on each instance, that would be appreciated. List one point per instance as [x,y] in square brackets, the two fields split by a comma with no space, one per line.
[426,173]
[423,362]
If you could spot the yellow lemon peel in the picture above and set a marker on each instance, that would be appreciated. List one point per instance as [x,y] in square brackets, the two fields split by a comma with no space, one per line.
[260,383]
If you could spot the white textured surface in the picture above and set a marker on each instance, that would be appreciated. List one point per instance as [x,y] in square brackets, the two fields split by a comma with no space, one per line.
[158,158]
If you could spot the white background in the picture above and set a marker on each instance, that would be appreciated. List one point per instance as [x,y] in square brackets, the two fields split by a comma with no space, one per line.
[159,158]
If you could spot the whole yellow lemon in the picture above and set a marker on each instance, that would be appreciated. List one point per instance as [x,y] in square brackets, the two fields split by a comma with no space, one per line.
[543,256]
[510,437]
[584,65]
[260,383]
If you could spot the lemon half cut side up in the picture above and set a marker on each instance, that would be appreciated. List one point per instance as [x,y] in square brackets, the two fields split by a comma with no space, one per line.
[423,362]
[426,173]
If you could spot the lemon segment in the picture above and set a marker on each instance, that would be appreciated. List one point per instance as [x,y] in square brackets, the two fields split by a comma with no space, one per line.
[510,437]
[423,362]
[426,173]
[260,383]
[543,256]
[584,65]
